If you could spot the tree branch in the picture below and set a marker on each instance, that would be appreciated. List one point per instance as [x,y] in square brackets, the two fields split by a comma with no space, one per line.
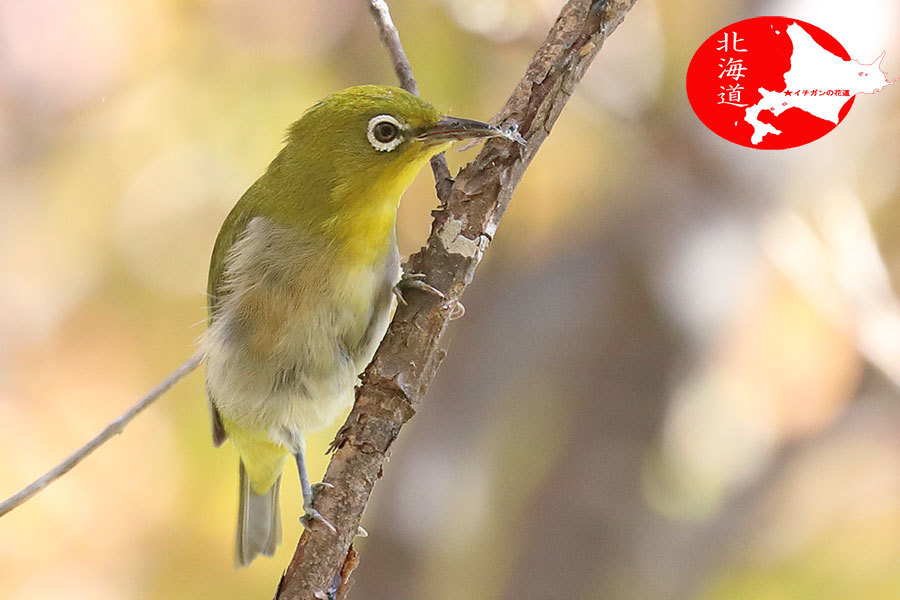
[110,430]
[406,362]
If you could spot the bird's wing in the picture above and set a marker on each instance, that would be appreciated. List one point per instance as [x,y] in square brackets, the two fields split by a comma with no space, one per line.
[232,229]
[215,420]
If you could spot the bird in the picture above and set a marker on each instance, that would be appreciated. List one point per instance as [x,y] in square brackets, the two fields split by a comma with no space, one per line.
[302,283]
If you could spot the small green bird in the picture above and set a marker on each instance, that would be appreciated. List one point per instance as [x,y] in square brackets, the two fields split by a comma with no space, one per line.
[301,281]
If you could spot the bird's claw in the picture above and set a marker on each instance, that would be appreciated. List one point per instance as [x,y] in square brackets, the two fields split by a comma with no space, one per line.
[312,514]
[318,487]
[457,311]
[415,281]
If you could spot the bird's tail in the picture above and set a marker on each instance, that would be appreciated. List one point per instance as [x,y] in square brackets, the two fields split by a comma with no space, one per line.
[259,521]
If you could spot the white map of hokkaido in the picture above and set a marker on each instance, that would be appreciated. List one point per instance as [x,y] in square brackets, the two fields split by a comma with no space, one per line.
[814,68]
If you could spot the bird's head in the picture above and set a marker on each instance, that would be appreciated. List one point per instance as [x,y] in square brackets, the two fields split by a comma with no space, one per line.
[373,139]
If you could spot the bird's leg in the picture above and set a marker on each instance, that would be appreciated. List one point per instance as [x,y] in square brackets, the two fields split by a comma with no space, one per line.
[311,514]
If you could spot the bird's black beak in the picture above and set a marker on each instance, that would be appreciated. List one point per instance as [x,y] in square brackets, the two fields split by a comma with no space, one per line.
[450,129]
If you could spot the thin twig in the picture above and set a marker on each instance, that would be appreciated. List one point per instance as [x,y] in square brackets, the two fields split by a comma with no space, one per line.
[112,429]
[406,361]
[390,37]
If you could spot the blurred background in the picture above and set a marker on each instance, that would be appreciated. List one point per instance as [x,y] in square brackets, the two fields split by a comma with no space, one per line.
[677,377]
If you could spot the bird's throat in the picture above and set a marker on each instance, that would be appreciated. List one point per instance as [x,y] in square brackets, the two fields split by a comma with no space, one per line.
[365,224]
[366,234]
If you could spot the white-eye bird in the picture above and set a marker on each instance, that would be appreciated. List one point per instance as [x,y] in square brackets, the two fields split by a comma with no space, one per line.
[300,285]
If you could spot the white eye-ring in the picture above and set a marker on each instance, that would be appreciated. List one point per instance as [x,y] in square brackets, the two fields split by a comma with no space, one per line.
[384,133]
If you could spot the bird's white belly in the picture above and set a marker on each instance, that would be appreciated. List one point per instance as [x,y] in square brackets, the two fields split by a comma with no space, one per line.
[302,385]
[277,355]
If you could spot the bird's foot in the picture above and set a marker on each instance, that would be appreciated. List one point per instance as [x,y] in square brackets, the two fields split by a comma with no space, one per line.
[311,514]
[415,281]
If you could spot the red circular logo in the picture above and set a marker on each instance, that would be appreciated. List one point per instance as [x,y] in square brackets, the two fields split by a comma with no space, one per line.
[774,82]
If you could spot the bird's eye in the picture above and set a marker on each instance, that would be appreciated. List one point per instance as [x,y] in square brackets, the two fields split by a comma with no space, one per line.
[384,133]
